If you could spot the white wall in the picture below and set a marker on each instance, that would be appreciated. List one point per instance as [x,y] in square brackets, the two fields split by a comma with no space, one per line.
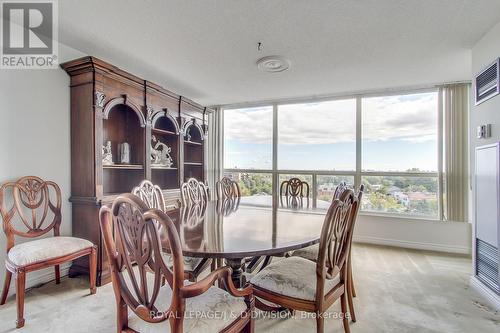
[35,135]
[483,53]
[453,237]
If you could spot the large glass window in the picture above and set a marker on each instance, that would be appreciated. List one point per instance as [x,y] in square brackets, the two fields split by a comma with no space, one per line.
[248,138]
[326,186]
[252,184]
[400,133]
[391,148]
[401,195]
[317,136]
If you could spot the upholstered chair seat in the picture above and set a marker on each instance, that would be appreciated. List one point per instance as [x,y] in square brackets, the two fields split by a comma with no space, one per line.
[45,249]
[292,277]
[309,253]
[212,311]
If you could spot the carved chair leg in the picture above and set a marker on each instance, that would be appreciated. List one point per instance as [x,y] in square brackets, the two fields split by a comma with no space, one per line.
[93,270]
[20,286]
[350,280]
[6,286]
[57,270]
[320,323]
[349,289]
[250,327]
[121,315]
[351,303]
[343,306]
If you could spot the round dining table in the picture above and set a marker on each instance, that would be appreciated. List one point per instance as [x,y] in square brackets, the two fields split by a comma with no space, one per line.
[250,227]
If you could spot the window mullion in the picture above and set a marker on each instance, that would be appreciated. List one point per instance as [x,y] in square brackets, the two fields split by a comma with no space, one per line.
[357,177]
[275,156]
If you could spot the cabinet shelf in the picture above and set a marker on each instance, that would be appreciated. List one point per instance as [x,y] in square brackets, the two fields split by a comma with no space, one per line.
[161,131]
[193,143]
[124,166]
[157,167]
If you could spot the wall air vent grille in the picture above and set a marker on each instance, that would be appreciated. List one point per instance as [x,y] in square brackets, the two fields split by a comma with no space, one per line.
[487,82]
[487,264]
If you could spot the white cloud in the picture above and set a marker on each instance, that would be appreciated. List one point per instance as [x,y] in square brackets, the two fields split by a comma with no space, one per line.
[412,118]
[253,125]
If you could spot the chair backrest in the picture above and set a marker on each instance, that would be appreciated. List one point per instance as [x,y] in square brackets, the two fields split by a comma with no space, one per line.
[194,192]
[359,196]
[151,194]
[227,188]
[135,254]
[35,202]
[341,187]
[294,187]
[335,240]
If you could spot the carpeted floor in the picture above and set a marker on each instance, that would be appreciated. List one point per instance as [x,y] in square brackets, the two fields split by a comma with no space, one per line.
[398,291]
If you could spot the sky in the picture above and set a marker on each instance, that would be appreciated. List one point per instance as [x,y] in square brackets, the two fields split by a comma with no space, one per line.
[398,133]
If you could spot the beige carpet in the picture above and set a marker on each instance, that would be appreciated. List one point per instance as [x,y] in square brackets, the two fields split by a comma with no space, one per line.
[398,291]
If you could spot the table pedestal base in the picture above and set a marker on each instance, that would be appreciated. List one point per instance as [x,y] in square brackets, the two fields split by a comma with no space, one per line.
[238,266]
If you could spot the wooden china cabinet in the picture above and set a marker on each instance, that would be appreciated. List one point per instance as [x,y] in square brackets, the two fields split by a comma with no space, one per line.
[109,104]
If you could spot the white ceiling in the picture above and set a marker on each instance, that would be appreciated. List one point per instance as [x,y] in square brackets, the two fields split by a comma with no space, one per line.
[207,49]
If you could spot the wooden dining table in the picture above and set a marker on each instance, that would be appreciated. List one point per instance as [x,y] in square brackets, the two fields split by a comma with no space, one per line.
[249,228]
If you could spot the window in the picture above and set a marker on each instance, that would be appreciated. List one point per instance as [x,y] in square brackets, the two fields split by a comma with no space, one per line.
[326,186]
[252,184]
[248,138]
[400,133]
[388,143]
[312,136]
[402,195]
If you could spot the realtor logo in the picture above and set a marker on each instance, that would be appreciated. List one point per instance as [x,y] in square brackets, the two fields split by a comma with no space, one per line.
[29,35]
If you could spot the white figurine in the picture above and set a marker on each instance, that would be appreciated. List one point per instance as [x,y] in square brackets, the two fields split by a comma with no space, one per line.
[107,154]
[125,153]
[160,153]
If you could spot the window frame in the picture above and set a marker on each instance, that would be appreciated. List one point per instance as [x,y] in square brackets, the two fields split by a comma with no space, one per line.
[358,173]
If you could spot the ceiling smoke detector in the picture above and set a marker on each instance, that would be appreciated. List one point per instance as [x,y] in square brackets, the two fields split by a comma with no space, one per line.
[273,64]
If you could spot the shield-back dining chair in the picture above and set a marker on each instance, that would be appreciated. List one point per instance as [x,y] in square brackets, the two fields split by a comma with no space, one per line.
[311,252]
[131,236]
[194,192]
[300,284]
[152,196]
[35,211]
[295,192]
[228,195]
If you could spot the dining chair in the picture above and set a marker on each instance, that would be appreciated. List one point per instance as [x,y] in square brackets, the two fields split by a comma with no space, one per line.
[194,192]
[131,236]
[295,191]
[228,200]
[227,188]
[228,196]
[35,211]
[311,252]
[299,284]
[152,196]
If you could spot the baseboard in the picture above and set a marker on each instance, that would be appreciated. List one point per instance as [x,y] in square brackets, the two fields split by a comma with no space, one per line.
[488,294]
[413,245]
[39,277]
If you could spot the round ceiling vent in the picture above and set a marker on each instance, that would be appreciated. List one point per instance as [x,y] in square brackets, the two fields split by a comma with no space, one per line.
[273,64]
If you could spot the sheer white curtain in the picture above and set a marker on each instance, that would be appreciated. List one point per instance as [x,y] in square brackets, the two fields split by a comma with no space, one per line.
[455,184]
[215,149]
